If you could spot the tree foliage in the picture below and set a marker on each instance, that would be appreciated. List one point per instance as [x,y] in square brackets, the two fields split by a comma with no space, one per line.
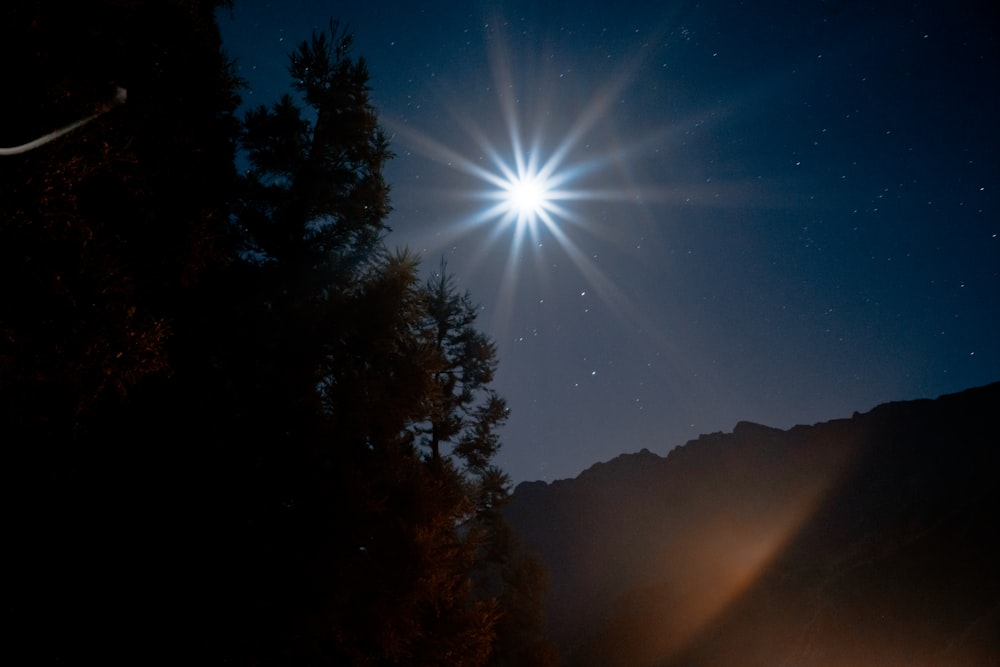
[275,439]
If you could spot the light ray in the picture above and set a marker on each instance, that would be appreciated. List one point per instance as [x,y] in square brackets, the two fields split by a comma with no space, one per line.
[533,185]
[119,98]
[527,192]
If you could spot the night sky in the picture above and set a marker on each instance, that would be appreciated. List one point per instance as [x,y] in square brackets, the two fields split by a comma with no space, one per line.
[779,212]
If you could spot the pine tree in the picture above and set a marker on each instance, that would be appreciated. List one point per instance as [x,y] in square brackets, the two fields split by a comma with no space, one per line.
[460,438]
[342,368]
[310,220]
[369,400]
[276,441]
[316,200]
[465,412]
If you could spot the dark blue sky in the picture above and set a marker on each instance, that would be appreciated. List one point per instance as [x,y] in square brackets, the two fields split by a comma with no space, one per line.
[780,212]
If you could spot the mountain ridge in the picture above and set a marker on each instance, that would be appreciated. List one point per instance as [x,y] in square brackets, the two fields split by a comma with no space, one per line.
[887,512]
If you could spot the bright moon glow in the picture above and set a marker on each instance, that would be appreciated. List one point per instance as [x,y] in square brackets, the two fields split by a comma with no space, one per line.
[527,196]
[524,195]
[536,185]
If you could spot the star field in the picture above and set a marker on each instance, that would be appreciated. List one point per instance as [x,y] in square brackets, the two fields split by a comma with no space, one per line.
[777,212]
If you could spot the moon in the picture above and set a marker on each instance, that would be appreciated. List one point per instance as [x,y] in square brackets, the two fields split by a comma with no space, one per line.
[527,196]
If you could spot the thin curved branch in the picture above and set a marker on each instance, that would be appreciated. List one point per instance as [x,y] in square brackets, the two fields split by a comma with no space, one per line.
[119,98]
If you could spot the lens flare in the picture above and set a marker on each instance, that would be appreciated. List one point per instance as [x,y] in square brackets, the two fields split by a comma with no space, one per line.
[528,183]
[543,174]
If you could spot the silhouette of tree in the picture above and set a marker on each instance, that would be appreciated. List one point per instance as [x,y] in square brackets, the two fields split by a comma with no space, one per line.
[275,441]
[371,392]
[465,412]
[460,435]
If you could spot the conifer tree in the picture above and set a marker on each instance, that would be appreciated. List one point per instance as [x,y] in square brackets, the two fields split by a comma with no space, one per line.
[465,412]
[278,441]
[373,393]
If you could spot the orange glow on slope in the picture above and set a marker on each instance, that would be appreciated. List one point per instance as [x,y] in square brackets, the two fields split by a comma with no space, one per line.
[722,556]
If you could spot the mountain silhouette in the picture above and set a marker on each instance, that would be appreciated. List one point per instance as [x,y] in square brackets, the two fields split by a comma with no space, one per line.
[865,541]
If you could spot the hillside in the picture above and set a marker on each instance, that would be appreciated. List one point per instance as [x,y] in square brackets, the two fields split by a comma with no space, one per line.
[869,540]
